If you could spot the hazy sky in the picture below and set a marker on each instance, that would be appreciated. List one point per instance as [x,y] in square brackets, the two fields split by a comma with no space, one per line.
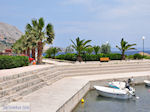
[98,20]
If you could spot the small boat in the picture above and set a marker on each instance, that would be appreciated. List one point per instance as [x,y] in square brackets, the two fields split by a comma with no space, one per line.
[147,82]
[114,93]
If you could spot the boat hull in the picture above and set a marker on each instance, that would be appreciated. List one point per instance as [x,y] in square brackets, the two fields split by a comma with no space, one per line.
[147,83]
[117,96]
[113,93]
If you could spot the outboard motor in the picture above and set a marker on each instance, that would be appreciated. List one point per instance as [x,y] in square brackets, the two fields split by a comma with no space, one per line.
[129,80]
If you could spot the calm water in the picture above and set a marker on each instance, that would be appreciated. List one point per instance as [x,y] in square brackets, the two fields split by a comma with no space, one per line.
[95,103]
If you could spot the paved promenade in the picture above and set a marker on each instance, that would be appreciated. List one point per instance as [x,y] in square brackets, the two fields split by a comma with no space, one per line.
[7,72]
[51,98]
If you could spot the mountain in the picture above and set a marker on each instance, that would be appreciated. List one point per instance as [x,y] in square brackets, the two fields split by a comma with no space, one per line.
[8,35]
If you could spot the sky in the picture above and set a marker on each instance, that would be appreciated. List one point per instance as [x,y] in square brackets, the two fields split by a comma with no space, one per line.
[97,20]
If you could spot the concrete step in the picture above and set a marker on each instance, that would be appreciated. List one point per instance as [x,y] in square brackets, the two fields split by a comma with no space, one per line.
[103,72]
[11,83]
[25,78]
[54,79]
[66,67]
[103,69]
[19,87]
[18,95]
[12,77]
[51,75]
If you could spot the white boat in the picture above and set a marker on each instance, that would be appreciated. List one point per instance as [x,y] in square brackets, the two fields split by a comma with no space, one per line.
[147,82]
[122,86]
[113,93]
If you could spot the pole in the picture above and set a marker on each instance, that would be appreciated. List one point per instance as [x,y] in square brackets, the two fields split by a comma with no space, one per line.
[143,48]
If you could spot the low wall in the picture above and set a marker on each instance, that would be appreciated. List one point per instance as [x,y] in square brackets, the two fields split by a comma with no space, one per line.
[75,99]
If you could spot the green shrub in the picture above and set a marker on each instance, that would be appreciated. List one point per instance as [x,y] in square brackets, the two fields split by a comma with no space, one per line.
[92,57]
[67,56]
[146,57]
[137,56]
[130,57]
[87,57]
[7,62]
[114,56]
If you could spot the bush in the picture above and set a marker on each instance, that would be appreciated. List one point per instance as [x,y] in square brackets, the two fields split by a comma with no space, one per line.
[87,57]
[114,56]
[130,57]
[67,56]
[7,62]
[146,57]
[137,56]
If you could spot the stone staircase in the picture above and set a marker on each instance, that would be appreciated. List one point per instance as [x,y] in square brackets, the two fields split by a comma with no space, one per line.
[15,87]
[97,69]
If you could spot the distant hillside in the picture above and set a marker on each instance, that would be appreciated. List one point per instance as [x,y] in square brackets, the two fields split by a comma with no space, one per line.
[8,35]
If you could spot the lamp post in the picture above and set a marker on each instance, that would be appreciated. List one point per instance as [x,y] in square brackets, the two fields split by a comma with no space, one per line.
[143,38]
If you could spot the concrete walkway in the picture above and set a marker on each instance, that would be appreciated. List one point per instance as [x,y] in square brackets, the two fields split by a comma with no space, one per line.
[7,72]
[51,98]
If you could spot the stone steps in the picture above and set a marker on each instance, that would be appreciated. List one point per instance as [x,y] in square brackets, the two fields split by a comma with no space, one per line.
[103,72]
[66,67]
[18,95]
[22,79]
[20,85]
[13,77]
[102,69]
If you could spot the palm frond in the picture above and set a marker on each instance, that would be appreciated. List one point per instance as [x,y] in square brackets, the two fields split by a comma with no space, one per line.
[118,47]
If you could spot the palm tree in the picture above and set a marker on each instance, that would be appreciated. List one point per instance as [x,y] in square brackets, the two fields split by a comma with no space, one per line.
[43,35]
[80,46]
[52,51]
[55,50]
[96,49]
[124,47]
[20,45]
[31,35]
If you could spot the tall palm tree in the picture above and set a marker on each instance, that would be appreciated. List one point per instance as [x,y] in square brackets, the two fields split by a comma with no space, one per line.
[96,49]
[44,34]
[31,35]
[80,46]
[124,47]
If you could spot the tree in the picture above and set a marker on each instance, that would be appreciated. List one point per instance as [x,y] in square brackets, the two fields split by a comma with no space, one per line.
[89,50]
[55,50]
[20,46]
[124,47]
[69,49]
[80,46]
[44,34]
[52,51]
[31,35]
[48,53]
[96,49]
[105,48]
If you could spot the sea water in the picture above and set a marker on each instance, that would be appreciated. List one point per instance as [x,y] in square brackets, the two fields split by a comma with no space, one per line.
[95,103]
